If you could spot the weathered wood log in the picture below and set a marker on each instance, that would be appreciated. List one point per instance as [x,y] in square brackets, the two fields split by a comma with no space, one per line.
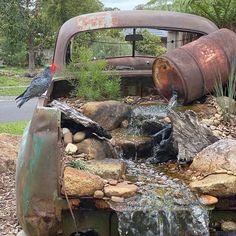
[79,118]
[189,135]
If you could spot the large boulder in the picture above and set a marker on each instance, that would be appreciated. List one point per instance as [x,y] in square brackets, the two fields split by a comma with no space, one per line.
[108,168]
[81,183]
[219,157]
[108,114]
[218,185]
[216,166]
[96,149]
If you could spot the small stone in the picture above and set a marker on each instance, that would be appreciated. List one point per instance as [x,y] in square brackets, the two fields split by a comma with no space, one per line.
[117,199]
[167,120]
[217,116]
[212,127]
[207,122]
[208,200]
[65,130]
[113,182]
[78,137]
[124,124]
[228,226]
[216,122]
[121,190]
[105,181]
[98,194]
[71,148]
[68,138]
[217,133]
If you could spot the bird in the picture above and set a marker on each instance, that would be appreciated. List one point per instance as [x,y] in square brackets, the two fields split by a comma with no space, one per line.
[38,85]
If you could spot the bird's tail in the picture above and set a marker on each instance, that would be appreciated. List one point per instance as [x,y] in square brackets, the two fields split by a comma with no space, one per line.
[20,96]
[20,103]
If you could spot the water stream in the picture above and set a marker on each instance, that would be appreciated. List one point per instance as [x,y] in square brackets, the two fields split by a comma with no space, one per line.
[164,206]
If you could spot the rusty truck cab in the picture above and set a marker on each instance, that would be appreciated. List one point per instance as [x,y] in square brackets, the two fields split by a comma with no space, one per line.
[41,208]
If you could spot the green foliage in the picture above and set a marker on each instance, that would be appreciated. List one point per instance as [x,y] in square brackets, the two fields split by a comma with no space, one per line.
[150,45]
[221,12]
[229,91]
[104,43]
[13,127]
[59,11]
[93,83]
[77,164]
[28,26]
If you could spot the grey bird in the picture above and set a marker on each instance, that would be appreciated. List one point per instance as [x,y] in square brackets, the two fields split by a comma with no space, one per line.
[38,85]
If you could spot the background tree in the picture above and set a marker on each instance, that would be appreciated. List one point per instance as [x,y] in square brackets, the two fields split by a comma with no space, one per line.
[221,12]
[150,45]
[59,11]
[28,25]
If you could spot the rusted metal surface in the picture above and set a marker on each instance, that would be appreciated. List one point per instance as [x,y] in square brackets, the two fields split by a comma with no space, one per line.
[37,175]
[193,69]
[173,21]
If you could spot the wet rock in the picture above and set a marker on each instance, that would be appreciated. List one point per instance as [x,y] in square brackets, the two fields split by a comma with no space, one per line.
[68,137]
[121,190]
[98,194]
[208,200]
[219,156]
[81,183]
[132,145]
[71,148]
[150,127]
[79,136]
[218,185]
[117,199]
[108,114]
[203,110]
[228,226]
[96,149]
[108,168]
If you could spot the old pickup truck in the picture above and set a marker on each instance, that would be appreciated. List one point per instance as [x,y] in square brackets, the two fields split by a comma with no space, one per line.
[41,207]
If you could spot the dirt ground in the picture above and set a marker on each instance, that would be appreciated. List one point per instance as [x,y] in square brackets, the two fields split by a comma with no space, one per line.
[8,153]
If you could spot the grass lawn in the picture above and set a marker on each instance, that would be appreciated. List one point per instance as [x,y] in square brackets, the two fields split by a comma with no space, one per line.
[13,127]
[12,82]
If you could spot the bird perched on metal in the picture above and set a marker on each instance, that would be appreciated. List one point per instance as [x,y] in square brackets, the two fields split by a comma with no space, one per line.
[38,85]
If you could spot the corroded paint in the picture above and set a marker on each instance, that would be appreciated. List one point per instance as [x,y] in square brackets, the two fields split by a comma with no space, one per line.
[173,21]
[193,69]
[38,173]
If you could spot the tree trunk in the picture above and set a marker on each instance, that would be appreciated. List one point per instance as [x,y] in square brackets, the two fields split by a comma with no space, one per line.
[189,135]
[31,54]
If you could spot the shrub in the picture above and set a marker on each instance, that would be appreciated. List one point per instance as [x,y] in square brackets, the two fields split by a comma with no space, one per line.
[92,80]
[229,91]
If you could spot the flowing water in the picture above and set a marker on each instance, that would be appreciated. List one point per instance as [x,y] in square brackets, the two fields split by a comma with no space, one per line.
[164,206]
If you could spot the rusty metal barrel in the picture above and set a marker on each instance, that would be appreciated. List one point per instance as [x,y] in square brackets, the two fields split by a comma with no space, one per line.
[194,69]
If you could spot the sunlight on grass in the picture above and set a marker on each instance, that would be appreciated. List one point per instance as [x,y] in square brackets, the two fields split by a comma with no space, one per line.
[11,91]
[13,81]
[15,70]
[6,81]
[13,127]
